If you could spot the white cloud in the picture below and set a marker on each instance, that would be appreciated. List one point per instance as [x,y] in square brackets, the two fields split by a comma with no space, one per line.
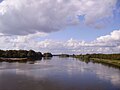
[20,42]
[114,36]
[22,22]
[104,44]
[23,17]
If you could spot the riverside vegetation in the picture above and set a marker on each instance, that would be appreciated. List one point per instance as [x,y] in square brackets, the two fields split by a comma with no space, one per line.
[107,59]
[21,55]
[24,55]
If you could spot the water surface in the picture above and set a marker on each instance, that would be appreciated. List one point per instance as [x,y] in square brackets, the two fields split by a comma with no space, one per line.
[58,74]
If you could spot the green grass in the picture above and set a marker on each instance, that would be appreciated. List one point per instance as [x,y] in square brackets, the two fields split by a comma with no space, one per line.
[115,63]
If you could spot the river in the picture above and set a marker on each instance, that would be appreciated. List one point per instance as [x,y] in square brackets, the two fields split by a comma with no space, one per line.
[58,74]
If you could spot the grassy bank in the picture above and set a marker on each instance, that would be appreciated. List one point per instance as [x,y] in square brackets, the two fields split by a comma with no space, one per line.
[115,63]
[106,59]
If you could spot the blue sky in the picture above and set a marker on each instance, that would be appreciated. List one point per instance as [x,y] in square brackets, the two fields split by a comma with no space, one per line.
[89,33]
[1,0]
[60,26]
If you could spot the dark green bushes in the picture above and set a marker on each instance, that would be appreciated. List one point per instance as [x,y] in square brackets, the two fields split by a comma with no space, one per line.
[20,54]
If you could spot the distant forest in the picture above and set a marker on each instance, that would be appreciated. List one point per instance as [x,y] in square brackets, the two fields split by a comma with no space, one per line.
[22,54]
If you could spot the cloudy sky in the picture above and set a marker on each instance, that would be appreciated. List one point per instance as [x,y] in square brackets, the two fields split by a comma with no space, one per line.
[60,26]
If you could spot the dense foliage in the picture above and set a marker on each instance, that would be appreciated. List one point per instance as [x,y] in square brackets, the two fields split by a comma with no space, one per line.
[20,54]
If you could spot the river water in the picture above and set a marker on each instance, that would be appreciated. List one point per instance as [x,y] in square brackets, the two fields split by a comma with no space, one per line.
[58,74]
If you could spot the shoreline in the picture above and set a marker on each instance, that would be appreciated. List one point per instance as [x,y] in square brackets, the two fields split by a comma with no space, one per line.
[14,59]
[114,63]
[109,62]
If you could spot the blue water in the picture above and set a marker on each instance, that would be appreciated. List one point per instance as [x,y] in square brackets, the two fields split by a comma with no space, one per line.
[58,74]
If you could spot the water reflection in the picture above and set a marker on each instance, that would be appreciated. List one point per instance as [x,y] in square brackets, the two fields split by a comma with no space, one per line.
[58,74]
[31,62]
[47,58]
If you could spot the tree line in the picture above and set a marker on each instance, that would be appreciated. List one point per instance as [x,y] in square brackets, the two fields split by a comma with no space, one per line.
[22,54]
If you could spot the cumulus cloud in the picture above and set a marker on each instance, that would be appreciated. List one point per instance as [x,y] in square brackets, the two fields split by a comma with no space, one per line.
[114,36]
[20,42]
[104,44]
[23,17]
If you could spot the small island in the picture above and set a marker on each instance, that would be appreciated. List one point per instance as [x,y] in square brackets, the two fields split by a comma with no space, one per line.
[47,55]
[64,55]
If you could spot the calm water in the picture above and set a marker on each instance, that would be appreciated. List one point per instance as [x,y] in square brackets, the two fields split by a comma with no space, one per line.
[58,74]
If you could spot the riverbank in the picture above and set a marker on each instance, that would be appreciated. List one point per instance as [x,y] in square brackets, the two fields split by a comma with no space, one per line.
[108,62]
[115,63]
[112,60]
[14,59]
